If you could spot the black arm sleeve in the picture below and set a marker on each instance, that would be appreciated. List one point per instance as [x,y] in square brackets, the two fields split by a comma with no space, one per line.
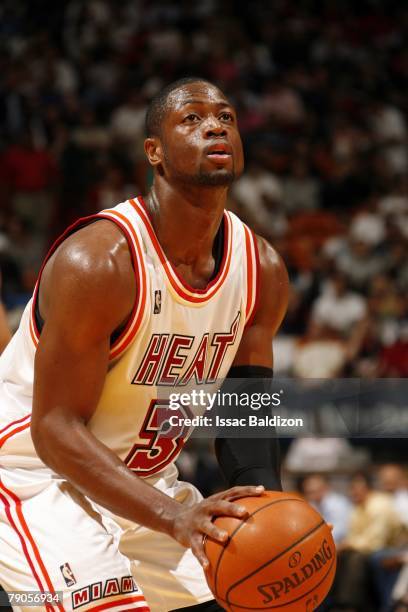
[249,461]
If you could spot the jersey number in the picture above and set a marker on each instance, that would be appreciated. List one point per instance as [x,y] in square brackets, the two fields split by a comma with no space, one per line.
[162,441]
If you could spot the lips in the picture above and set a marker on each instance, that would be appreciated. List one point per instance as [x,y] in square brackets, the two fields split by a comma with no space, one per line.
[219,149]
[219,153]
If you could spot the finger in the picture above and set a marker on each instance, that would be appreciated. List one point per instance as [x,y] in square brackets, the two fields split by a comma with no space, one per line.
[249,491]
[210,529]
[197,547]
[330,526]
[226,508]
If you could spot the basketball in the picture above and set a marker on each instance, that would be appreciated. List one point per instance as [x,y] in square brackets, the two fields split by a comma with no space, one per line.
[281,557]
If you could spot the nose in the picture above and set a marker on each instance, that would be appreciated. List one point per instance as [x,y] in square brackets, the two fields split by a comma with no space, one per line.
[213,127]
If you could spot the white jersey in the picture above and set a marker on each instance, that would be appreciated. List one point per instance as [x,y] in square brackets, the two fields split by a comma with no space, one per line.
[176,334]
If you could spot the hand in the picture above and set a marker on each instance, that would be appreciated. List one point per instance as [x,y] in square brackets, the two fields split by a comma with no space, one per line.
[193,522]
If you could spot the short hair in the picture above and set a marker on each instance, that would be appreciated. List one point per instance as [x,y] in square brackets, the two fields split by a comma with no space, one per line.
[158,105]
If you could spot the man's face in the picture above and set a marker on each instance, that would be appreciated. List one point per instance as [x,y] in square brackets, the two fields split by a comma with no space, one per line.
[359,490]
[391,478]
[200,140]
[314,489]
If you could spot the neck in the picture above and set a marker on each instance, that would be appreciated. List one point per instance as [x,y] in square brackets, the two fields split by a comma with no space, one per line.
[186,219]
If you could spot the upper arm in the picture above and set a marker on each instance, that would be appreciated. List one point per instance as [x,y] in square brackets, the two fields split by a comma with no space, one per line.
[87,290]
[256,343]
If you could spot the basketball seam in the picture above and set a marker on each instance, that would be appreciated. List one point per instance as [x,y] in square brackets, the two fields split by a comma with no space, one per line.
[276,501]
[283,552]
[288,602]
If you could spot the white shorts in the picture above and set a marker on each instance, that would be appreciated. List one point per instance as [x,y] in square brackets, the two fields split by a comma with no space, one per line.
[52,538]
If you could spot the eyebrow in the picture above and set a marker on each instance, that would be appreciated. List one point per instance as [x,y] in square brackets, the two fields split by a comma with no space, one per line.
[198,101]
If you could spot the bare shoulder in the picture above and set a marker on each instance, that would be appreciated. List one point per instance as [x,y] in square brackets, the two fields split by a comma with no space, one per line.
[95,249]
[256,344]
[91,270]
[272,265]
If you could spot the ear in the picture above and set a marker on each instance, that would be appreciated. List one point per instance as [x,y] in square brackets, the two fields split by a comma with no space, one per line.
[154,151]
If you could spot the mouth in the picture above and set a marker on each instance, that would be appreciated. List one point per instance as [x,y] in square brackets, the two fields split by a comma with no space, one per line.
[219,153]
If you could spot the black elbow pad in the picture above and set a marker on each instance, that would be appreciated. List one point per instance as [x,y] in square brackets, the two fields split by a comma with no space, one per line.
[250,461]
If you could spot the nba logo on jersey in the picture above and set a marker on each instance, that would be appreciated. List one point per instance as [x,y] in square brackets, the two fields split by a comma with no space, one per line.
[68,574]
[157,302]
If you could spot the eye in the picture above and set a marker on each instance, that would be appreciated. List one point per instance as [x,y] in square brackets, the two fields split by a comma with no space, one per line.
[226,116]
[191,118]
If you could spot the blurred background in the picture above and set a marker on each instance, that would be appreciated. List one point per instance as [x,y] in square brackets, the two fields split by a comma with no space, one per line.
[321,90]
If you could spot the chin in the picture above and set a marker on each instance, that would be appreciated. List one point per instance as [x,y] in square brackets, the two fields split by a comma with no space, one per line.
[217,178]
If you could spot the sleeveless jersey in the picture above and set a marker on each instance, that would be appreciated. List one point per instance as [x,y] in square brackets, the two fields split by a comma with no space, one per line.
[176,335]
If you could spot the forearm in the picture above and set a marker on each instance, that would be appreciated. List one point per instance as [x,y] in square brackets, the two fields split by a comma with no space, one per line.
[249,461]
[71,450]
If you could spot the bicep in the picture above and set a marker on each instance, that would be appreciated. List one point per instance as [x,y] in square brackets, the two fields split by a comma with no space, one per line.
[68,376]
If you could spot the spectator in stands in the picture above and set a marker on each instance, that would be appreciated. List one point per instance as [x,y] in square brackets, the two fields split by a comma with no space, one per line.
[127,125]
[28,174]
[393,479]
[334,507]
[324,350]
[374,525]
[359,262]
[380,341]
[259,195]
[387,563]
[390,131]
[300,188]
[337,309]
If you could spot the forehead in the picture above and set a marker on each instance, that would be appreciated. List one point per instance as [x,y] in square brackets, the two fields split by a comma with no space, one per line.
[314,482]
[199,92]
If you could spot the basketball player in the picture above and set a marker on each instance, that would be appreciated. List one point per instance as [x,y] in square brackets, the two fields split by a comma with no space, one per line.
[156,291]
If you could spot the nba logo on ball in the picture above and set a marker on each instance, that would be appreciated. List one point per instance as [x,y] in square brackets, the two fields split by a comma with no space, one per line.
[281,557]
[295,559]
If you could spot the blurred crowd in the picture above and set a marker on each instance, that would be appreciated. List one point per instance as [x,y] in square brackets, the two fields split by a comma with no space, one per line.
[321,92]
[370,528]
[320,89]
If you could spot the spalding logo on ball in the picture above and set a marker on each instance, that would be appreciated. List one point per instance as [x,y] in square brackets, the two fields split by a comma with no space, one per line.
[281,557]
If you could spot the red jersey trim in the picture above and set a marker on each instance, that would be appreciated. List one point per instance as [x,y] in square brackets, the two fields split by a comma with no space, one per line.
[17,422]
[34,332]
[11,433]
[13,505]
[121,602]
[133,324]
[136,317]
[185,291]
